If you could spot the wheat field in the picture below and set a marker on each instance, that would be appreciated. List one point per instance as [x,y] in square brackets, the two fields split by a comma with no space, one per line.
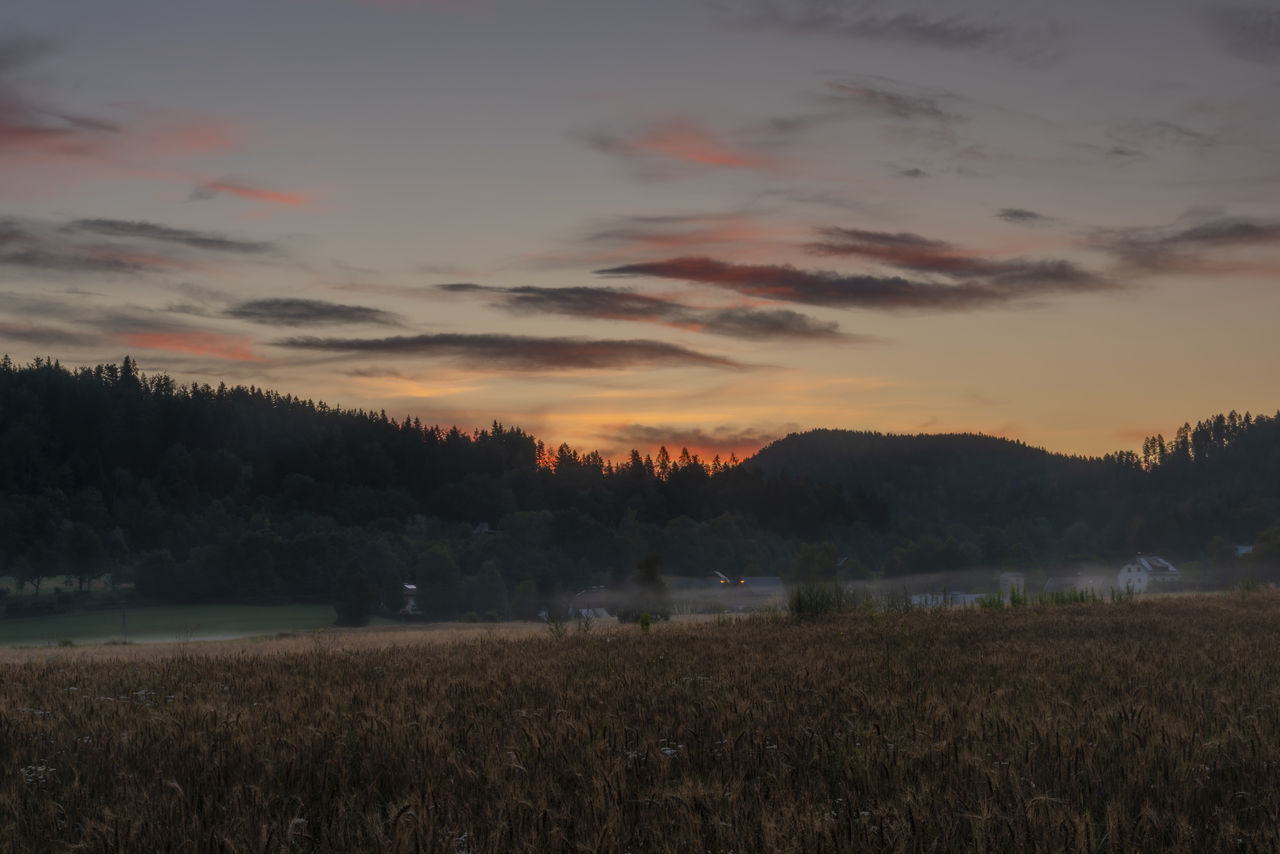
[1134,726]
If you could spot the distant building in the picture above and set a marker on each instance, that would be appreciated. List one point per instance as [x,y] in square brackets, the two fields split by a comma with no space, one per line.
[592,603]
[1145,572]
[410,608]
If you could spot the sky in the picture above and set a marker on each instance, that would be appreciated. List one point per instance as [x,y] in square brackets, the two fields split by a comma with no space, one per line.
[698,223]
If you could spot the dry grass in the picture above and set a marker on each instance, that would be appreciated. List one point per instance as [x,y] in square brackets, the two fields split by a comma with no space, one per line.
[1138,726]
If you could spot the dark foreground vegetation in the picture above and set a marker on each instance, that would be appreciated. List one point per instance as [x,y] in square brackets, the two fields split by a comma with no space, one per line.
[203,494]
[1138,726]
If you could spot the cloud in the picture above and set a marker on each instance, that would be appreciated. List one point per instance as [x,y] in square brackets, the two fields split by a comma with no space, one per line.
[1248,32]
[618,304]
[1021,216]
[195,343]
[629,237]
[34,131]
[128,248]
[752,323]
[166,234]
[206,190]
[307,312]
[883,101]
[44,336]
[902,249]
[790,284]
[677,141]
[1197,248]
[28,126]
[907,251]
[946,32]
[26,247]
[522,352]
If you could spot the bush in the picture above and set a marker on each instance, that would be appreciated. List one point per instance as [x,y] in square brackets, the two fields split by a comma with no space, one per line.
[646,594]
[810,601]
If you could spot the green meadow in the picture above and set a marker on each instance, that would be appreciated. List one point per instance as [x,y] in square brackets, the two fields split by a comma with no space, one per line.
[165,623]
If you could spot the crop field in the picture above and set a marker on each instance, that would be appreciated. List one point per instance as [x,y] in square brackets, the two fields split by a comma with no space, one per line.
[1133,726]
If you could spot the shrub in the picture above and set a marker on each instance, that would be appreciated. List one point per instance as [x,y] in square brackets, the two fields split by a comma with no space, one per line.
[646,593]
[810,601]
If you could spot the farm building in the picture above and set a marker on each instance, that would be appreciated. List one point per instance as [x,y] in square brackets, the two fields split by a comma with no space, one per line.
[1145,572]
[592,603]
[410,592]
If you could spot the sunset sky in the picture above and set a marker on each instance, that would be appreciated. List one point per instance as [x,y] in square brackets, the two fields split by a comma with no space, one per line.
[703,223]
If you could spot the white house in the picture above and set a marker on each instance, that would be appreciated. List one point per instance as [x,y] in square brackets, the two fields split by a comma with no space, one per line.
[410,608]
[1144,572]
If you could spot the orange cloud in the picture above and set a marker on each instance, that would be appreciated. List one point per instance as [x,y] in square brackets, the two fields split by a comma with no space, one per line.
[216,344]
[112,147]
[209,189]
[688,141]
[680,140]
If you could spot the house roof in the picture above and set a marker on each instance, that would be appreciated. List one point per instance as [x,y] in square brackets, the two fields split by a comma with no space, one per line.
[1152,564]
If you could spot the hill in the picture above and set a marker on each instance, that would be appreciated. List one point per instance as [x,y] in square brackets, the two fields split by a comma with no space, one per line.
[968,478]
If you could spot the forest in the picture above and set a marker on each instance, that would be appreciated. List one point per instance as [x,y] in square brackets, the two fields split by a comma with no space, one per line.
[239,494]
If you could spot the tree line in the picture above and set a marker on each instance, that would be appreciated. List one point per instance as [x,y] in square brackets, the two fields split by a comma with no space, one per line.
[240,494]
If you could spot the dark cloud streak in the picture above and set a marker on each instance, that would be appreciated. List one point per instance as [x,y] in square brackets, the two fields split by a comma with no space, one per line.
[907,251]
[885,102]
[307,312]
[789,284]
[166,234]
[22,246]
[1021,216]
[619,304]
[947,32]
[1189,248]
[521,352]
[43,335]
